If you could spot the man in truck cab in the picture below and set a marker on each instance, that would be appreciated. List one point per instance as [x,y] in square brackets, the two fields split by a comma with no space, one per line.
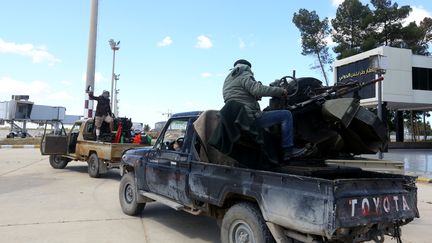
[103,111]
[241,86]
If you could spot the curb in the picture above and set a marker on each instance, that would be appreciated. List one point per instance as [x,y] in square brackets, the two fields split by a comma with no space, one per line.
[424,180]
[18,146]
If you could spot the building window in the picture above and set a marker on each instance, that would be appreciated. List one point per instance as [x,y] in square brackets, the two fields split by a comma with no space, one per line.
[422,78]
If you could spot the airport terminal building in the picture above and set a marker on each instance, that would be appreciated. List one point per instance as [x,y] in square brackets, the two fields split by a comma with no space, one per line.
[407,83]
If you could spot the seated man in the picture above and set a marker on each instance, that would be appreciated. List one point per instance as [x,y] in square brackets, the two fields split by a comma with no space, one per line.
[241,86]
[178,144]
[103,111]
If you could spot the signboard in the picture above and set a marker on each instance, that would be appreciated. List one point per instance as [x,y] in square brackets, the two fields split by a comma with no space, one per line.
[359,71]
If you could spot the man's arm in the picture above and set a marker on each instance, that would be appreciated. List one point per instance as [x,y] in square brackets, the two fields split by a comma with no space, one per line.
[259,90]
[92,97]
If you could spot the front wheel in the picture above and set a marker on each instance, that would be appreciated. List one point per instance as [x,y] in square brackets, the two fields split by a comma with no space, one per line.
[128,196]
[93,165]
[58,161]
[244,222]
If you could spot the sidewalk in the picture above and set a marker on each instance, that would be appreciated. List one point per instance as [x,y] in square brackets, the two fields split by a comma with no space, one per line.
[19,146]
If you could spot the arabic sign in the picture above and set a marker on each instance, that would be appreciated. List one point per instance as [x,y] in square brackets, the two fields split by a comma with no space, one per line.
[359,71]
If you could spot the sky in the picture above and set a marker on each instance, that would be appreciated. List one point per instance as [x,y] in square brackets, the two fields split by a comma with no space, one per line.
[173,56]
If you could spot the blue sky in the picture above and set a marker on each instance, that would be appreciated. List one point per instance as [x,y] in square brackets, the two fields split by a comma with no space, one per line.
[173,55]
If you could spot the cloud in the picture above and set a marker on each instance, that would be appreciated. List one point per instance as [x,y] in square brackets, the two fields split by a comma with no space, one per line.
[167,41]
[38,54]
[206,75]
[66,82]
[11,86]
[336,3]
[98,77]
[242,44]
[204,42]
[62,95]
[417,14]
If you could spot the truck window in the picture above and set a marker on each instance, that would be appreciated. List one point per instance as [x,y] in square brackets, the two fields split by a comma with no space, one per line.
[173,136]
[76,128]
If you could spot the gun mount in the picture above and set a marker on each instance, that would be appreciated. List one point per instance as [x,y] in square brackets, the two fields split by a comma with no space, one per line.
[335,125]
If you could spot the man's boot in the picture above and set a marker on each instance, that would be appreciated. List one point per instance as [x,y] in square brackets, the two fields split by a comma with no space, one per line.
[292,152]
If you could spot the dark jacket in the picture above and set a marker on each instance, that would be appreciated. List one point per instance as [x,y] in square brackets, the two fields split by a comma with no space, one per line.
[103,107]
[237,136]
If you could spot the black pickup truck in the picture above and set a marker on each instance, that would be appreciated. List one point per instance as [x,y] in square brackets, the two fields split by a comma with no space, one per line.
[325,203]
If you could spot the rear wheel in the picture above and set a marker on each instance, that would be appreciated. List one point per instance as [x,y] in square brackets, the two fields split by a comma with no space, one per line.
[58,161]
[244,222]
[93,165]
[128,195]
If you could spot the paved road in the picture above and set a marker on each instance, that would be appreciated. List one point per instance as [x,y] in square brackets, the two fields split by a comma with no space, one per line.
[40,204]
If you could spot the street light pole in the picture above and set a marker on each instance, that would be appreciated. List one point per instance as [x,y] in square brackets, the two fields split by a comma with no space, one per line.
[115,46]
[115,97]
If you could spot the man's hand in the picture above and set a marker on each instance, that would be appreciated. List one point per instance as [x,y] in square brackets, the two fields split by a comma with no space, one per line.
[284,94]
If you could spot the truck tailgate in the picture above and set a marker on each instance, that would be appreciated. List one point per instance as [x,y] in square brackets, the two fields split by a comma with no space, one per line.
[365,201]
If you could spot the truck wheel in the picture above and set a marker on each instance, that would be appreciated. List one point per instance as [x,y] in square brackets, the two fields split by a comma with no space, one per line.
[93,165]
[128,195]
[244,222]
[58,162]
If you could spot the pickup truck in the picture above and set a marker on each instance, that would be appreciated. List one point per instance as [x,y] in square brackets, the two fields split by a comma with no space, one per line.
[322,203]
[80,144]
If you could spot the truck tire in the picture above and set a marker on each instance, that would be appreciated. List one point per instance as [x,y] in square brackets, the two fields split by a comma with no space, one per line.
[93,165]
[58,161]
[128,195]
[244,222]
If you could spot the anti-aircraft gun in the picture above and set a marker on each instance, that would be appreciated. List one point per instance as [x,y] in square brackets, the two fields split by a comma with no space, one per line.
[325,117]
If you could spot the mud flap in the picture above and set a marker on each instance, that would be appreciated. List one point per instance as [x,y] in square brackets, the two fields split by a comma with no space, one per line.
[103,169]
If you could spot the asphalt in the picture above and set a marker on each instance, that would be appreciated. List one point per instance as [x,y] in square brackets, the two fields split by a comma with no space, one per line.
[41,204]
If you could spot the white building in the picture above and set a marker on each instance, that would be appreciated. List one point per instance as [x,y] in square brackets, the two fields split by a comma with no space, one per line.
[407,82]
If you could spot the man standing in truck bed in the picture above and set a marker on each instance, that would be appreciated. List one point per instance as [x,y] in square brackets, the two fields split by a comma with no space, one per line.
[103,111]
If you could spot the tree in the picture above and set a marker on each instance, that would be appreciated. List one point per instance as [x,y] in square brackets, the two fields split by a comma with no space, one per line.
[313,33]
[387,21]
[352,29]
[417,37]
[146,127]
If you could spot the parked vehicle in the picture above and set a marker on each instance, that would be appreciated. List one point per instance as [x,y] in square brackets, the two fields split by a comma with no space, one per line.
[80,144]
[286,203]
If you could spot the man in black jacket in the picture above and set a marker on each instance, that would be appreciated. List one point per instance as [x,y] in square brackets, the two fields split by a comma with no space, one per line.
[103,111]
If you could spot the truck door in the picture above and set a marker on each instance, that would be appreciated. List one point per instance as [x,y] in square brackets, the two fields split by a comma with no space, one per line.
[168,166]
[54,141]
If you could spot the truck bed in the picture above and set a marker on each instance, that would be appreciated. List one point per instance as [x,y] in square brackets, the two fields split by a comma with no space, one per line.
[105,151]
[331,201]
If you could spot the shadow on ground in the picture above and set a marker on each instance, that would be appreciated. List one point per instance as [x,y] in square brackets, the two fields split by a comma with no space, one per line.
[194,227]
[112,174]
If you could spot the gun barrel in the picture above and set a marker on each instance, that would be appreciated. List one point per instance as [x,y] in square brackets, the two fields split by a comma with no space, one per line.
[359,86]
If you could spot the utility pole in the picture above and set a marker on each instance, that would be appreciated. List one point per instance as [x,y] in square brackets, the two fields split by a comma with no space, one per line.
[115,46]
[115,95]
[168,114]
[91,60]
